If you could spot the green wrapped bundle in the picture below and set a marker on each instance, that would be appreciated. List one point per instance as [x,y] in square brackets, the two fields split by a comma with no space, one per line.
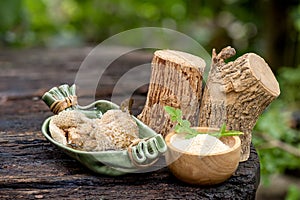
[60,98]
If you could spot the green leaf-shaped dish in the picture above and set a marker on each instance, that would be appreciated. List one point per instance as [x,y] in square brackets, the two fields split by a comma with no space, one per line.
[136,159]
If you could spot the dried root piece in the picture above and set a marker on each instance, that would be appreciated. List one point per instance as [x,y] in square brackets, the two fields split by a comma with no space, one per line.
[72,118]
[73,128]
[119,126]
[114,131]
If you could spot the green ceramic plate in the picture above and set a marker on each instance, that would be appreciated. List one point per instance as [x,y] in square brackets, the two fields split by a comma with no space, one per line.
[138,158]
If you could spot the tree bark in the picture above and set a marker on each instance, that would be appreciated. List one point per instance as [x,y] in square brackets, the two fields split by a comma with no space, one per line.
[236,93]
[176,81]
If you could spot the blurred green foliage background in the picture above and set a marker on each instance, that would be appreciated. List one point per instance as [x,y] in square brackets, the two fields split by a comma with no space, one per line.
[269,28]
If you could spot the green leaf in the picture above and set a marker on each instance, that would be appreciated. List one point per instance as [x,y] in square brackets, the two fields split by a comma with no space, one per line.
[171,111]
[233,133]
[181,129]
[174,118]
[223,128]
[177,128]
[216,134]
[186,123]
[178,113]
[175,114]
[189,136]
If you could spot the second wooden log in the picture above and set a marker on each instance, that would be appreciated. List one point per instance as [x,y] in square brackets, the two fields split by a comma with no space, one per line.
[236,93]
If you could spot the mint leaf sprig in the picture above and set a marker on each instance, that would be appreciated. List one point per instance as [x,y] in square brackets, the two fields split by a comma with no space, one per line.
[184,126]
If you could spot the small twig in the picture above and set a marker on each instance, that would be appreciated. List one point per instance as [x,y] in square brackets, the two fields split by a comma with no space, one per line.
[226,53]
[274,143]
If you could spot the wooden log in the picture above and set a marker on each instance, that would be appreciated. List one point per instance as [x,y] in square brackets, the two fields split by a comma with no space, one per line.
[237,93]
[176,81]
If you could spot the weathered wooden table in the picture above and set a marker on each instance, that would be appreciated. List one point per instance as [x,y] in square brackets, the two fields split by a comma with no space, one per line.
[31,168]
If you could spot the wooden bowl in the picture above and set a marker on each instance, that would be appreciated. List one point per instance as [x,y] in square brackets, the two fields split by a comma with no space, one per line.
[204,170]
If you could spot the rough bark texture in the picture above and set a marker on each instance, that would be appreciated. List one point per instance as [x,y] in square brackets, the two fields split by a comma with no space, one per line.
[32,168]
[176,81]
[237,93]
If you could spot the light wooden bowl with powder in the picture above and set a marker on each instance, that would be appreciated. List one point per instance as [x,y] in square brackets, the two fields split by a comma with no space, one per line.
[199,167]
